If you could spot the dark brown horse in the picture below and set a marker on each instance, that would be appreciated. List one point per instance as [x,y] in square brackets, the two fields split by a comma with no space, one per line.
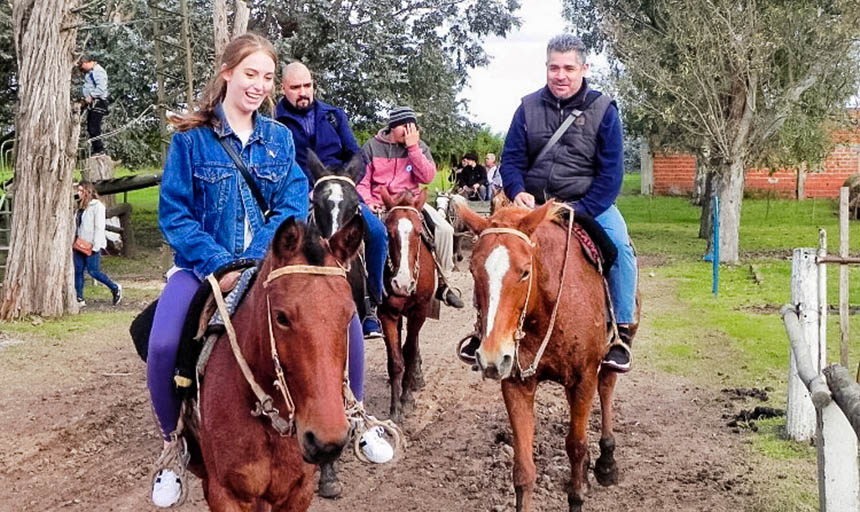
[524,264]
[302,298]
[410,278]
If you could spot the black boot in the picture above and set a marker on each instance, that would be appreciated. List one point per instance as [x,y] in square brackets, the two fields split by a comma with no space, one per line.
[619,358]
[447,295]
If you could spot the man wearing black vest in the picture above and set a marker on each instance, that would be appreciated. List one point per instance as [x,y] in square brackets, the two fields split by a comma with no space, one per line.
[583,168]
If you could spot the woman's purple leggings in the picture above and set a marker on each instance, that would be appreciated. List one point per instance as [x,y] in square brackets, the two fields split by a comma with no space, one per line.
[164,343]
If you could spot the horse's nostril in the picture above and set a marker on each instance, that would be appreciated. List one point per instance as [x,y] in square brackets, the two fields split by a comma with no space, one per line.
[507,362]
[310,439]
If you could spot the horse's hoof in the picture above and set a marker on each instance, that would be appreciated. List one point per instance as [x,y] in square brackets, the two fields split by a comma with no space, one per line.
[395,416]
[330,490]
[574,503]
[606,472]
[329,486]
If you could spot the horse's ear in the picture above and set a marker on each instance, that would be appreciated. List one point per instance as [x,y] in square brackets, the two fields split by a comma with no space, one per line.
[472,220]
[530,222]
[346,241]
[386,199]
[419,201]
[288,238]
[355,167]
[315,166]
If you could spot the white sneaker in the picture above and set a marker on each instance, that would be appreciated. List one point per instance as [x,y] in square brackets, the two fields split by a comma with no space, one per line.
[375,447]
[166,489]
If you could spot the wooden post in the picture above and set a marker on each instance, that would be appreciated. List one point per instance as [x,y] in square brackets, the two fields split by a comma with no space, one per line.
[800,416]
[822,300]
[646,172]
[838,480]
[843,277]
[836,439]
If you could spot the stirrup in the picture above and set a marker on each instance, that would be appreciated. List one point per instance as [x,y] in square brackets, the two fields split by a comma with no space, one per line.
[617,341]
[175,457]
[471,361]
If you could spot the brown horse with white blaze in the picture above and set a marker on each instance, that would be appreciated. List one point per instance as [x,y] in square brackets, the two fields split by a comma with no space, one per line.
[533,289]
[294,317]
[410,278]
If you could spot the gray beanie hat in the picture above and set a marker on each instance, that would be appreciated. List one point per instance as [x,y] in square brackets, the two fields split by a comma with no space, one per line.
[401,115]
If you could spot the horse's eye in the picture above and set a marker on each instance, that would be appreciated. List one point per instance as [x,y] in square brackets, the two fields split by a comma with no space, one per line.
[525,275]
[282,319]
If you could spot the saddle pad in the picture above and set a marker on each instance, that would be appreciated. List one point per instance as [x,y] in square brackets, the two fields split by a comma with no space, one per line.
[596,244]
[234,298]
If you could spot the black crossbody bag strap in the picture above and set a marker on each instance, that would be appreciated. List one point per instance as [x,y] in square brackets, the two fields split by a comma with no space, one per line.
[589,99]
[255,191]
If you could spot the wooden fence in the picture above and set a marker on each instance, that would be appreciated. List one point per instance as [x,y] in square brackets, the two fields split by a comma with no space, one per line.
[823,402]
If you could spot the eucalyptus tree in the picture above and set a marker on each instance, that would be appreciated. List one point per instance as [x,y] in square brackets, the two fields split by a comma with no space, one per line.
[738,82]
[39,274]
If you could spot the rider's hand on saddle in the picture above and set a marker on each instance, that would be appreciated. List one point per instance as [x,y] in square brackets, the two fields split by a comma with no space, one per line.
[525,200]
[412,135]
[228,280]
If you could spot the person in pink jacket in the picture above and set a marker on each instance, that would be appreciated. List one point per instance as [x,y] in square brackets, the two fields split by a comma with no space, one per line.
[396,159]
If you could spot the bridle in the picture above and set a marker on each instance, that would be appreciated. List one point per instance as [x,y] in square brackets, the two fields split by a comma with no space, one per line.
[264,406]
[416,268]
[333,177]
[519,334]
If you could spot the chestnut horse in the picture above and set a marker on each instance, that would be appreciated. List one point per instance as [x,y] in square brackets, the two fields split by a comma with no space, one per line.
[518,265]
[294,317]
[410,278]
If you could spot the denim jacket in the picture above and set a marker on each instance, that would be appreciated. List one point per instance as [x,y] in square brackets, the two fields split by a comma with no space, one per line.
[204,198]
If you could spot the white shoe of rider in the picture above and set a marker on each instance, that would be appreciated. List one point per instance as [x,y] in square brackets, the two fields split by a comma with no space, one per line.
[166,489]
[375,447]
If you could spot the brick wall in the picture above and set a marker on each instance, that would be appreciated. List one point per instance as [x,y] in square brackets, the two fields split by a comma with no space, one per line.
[674,173]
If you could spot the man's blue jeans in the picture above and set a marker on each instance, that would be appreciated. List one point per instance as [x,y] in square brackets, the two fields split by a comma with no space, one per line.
[624,273]
[375,252]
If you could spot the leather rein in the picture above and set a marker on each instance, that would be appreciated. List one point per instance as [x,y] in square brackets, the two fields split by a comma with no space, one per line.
[520,333]
[283,424]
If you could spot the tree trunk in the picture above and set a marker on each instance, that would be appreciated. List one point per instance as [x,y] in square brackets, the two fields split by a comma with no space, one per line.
[240,19]
[99,167]
[706,220]
[801,182]
[222,30]
[701,192]
[731,191]
[40,276]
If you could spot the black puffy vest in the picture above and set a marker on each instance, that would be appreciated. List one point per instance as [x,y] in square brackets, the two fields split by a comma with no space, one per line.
[567,171]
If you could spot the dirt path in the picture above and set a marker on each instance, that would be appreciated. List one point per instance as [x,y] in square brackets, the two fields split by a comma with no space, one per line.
[76,433]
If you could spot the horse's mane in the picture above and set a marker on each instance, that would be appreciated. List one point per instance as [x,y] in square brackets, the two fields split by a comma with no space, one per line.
[404,198]
[510,216]
[312,248]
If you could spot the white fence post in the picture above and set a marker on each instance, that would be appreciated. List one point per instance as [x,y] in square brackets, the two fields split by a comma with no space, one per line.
[800,416]
[838,480]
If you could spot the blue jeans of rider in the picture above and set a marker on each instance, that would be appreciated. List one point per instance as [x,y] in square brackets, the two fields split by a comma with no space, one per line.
[623,275]
[376,252]
[92,263]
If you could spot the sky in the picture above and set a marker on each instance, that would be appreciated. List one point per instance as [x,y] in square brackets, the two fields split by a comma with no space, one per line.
[517,65]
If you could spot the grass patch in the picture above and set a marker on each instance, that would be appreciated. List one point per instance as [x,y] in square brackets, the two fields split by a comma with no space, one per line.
[770,441]
[68,327]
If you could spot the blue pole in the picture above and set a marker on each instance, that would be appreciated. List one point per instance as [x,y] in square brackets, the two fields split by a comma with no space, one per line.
[716,246]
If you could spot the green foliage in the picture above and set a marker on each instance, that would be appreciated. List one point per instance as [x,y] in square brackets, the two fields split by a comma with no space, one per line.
[367,56]
[690,74]
[8,70]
